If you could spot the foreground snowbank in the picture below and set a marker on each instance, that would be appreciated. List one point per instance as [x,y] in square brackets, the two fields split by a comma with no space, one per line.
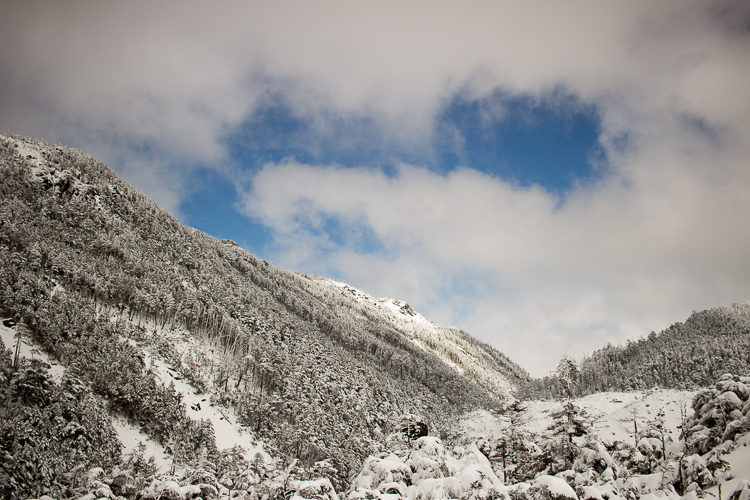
[428,472]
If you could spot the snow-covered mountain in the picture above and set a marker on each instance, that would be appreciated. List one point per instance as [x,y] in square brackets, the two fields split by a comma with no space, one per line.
[125,331]
[106,282]
[483,364]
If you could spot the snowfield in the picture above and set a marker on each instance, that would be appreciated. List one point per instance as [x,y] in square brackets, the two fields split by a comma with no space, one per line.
[613,413]
[614,417]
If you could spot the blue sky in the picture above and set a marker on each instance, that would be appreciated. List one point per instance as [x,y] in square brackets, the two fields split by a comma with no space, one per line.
[552,145]
[547,176]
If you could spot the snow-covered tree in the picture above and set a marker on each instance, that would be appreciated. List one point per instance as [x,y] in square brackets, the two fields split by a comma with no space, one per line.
[567,369]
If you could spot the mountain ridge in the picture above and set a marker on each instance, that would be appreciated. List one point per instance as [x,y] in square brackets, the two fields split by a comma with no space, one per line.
[156,322]
[98,273]
[686,355]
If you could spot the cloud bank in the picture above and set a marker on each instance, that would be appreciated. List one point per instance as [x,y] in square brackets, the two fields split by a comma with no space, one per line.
[156,88]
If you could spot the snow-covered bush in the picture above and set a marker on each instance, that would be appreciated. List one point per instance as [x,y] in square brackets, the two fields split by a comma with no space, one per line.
[647,484]
[428,472]
[551,488]
[593,455]
[720,414]
[319,489]
[741,492]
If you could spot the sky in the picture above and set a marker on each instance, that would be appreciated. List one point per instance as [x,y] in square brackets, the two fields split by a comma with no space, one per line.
[548,176]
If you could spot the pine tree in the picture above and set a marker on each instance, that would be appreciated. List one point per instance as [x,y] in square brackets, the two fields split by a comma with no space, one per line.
[567,369]
[571,421]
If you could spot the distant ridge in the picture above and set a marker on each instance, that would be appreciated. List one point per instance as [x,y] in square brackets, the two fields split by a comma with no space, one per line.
[686,355]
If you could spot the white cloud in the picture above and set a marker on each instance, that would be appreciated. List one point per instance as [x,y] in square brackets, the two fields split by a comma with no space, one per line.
[152,87]
[659,237]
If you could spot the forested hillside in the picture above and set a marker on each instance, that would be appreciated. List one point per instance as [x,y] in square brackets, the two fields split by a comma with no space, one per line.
[98,273]
[686,355]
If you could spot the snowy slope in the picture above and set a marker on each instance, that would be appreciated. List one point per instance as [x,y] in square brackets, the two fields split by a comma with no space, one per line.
[29,350]
[228,431]
[612,413]
[199,406]
[31,150]
[447,343]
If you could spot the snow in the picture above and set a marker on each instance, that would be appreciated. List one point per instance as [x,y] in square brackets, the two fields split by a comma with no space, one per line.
[29,150]
[739,461]
[199,406]
[612,413]
[27,350]
[319,489]
[131,437]
[589,492]
[481,424]
[421,332]
[433,472]
[731,398]
[556,486]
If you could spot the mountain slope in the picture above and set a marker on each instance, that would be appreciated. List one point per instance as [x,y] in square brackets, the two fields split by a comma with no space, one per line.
[101,275]
[686,355]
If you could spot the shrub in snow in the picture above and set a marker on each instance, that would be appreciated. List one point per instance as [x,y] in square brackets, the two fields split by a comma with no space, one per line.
[551,488]
[320,489]
[717,465]
[95,474]
[694,470]
[720,414]
[559,453]
[412,426]
[593,455]
[170,490]
[630,459]
[741,492]
[650,446]
[590,493]
[609,488]
[647,484]
[519,491]
[190,491]
[208,491]
[381,470]
[429,472]
[162,489]
[103,491]
[739,426]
